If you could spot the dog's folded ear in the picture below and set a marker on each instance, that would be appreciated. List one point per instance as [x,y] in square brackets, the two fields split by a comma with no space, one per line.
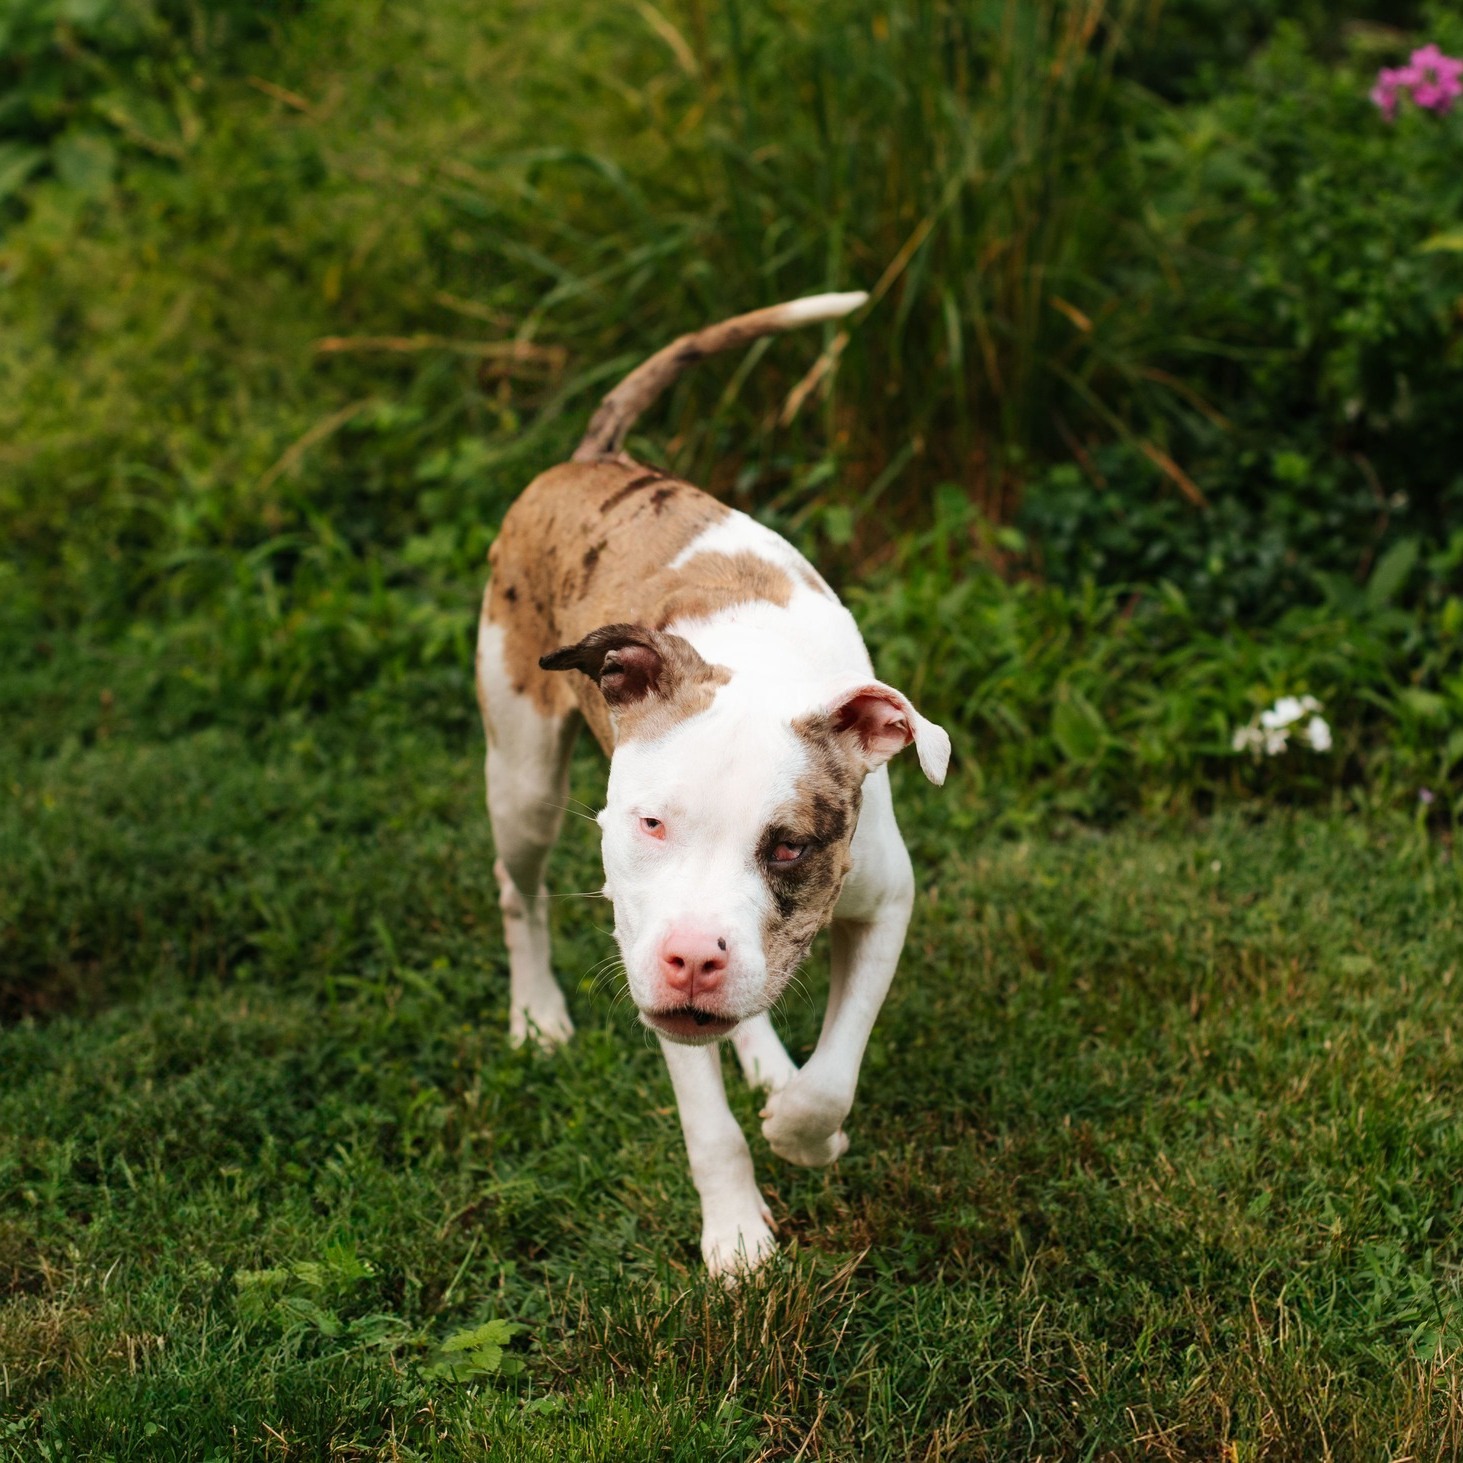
[875,721]
[630,663]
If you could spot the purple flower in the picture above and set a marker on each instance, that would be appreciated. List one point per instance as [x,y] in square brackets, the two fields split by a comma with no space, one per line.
[1384,94]
[1434,82]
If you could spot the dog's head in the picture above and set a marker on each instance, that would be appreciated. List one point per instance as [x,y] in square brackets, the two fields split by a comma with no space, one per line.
[728,821]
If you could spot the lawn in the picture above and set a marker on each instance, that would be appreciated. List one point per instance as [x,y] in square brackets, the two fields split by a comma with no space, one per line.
[1151,421]
[1156,1153]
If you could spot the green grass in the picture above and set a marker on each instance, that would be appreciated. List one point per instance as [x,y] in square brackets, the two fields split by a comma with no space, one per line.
[1157,1148]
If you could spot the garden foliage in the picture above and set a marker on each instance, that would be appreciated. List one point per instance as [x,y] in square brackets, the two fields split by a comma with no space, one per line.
[1152,419]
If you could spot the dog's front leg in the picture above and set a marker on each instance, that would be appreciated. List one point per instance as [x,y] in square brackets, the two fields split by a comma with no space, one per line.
[803,1121]
[736,1231]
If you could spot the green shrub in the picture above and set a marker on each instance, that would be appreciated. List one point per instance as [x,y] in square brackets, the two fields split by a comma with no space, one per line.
[1314,323]
[1110,698]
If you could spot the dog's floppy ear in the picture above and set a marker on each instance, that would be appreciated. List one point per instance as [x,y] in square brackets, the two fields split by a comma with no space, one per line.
[630,663]
[875,721]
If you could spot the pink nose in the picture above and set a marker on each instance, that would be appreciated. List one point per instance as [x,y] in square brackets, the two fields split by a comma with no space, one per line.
[692,961]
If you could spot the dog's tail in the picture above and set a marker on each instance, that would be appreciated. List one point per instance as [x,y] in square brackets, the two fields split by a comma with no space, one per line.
[618,411]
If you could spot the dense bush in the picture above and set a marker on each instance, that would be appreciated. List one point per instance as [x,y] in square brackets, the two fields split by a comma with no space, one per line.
[1324,355]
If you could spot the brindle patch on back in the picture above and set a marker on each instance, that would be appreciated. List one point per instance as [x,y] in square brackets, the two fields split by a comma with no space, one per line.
[590,544]
[821,816]
[577,550]
[708,583]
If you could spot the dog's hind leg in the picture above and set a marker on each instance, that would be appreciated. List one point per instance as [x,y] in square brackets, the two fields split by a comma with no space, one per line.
[528,783]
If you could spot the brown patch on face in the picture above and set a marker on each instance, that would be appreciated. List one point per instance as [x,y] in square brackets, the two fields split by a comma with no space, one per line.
[820,818]
[587,544]
[656,715]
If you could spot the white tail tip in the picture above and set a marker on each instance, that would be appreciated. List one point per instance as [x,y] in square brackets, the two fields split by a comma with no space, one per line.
[823,307]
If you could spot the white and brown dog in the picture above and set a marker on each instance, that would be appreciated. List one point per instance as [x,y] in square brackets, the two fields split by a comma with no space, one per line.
[748,800]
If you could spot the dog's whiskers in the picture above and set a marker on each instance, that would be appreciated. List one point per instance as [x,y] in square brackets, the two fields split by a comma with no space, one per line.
[565,808]
[798,986]
[590,817]
[607,969]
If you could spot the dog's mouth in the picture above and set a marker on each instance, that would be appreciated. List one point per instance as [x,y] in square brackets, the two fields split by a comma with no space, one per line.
[688,1023]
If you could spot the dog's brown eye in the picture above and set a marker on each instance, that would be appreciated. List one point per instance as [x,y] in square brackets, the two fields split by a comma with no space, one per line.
[788,853]
[653,826]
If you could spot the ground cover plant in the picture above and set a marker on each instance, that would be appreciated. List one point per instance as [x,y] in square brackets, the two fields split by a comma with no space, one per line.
[1151,425]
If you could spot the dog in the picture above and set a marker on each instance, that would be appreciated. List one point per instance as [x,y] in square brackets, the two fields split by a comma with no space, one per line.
[748,801]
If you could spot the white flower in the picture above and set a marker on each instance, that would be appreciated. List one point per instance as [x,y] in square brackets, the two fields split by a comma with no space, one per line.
[1269,731]
[1286,710]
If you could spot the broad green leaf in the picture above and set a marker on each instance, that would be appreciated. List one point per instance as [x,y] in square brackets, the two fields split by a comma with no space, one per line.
[309,1272]
[345,1265]
[85,161]
[1391,573]
[1078,728]
[304,1309]
[260,1279]
[491,1333]
[1427,705]
[478,1352]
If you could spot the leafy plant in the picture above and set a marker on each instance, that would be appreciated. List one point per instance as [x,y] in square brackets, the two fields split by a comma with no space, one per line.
[478,1353]
[83,80]
[304,1300]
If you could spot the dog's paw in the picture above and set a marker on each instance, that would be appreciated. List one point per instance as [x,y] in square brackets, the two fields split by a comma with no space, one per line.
[547,1025]
[806,1152]
[735,1245]
[804,1125]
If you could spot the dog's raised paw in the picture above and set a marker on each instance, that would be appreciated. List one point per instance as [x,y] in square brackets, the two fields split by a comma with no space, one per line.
[807,1152]
[805,1125]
